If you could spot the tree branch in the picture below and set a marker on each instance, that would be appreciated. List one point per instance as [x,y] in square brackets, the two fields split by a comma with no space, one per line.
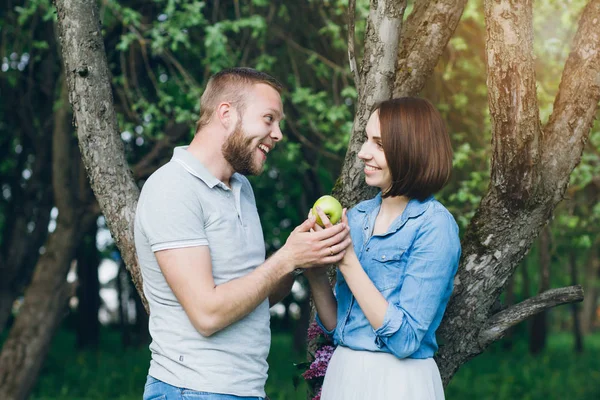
[527,172]
[430,26]
[514,109]
[291,42]
[351,43]
[576,103]
[497,326]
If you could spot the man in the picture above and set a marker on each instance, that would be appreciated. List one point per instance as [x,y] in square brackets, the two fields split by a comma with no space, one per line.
[201,249]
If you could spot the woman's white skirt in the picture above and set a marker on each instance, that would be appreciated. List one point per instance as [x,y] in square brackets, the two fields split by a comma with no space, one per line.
[365,375]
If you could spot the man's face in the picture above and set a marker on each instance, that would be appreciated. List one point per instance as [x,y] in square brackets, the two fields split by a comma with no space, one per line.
[256,131]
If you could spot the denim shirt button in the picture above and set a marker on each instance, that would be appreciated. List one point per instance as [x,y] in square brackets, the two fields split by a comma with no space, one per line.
[366,228]
[383,257]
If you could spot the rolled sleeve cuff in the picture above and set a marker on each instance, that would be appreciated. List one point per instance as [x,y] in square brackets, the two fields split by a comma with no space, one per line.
[391,323]
[318,320]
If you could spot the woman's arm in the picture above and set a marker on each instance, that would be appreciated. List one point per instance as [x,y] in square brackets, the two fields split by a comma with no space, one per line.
[370,300]
[322,293]
[323,297]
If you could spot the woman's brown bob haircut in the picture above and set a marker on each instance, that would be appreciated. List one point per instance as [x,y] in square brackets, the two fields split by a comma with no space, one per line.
[231,85]
[416,145]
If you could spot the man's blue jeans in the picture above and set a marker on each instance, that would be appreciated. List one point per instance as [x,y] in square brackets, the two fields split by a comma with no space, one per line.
[158,390]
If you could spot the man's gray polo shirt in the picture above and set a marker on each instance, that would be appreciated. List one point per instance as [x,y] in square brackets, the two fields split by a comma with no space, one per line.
[183,205]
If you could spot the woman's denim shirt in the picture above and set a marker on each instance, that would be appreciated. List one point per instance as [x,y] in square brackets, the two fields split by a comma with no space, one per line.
[413,266]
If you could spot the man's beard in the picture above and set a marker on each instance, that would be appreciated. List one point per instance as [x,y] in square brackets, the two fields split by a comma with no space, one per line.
[239,152]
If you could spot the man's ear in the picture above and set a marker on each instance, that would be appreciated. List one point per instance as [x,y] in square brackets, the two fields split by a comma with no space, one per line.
[226,115]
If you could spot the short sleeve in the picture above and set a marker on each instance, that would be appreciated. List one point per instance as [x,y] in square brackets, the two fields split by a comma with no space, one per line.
[171,216]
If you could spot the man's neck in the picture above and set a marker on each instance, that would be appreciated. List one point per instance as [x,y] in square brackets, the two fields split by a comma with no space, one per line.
[207,149]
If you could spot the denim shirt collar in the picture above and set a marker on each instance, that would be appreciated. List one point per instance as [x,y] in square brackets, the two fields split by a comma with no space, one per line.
[413,209]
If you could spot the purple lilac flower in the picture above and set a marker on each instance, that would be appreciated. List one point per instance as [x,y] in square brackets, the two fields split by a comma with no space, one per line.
[319,366]
[314,330]
[318,396]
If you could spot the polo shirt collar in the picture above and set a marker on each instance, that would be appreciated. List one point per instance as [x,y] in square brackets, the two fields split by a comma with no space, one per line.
[196,168]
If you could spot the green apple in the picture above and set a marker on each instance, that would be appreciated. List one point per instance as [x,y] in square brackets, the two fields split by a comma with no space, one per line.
[330,206]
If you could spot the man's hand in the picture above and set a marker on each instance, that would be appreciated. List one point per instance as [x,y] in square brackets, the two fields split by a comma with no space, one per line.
[319,271]
[306,246]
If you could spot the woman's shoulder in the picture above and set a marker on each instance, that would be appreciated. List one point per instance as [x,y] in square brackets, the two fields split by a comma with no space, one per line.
[437,221]
[436,211]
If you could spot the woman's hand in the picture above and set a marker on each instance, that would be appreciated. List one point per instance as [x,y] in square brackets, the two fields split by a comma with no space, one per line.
[319,272]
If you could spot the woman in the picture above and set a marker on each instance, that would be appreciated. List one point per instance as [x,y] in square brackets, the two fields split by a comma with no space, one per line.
[394,282]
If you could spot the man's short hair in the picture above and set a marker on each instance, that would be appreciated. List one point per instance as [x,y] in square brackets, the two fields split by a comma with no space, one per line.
[231,85]
[416,146]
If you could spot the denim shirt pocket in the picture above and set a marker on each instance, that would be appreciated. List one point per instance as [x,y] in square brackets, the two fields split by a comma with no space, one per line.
[387,268]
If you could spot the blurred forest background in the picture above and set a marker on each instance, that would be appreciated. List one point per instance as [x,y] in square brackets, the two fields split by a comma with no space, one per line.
[161,53]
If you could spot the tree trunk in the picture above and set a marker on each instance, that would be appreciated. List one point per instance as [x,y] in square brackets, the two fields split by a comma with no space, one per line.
[574,307]
[23,246]
[102,150]
[88,290]
[539,323]
[123,300]
[375,84]
[429,26]
[20,250]
[46,297]
[32,100]
[592,284]
[302,324]
[530,172]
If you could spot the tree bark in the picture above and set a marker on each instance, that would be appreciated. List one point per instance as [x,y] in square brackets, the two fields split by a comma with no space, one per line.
[46,297]
[430,26]
[530,170]
[101,147]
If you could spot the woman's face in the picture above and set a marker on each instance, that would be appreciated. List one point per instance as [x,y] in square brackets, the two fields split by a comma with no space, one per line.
[377,173]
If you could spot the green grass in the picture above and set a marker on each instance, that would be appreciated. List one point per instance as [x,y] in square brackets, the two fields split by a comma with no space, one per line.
[558,373]
[117,373]
[114,372]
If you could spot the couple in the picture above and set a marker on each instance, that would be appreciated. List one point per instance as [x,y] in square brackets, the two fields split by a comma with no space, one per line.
[201,252]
